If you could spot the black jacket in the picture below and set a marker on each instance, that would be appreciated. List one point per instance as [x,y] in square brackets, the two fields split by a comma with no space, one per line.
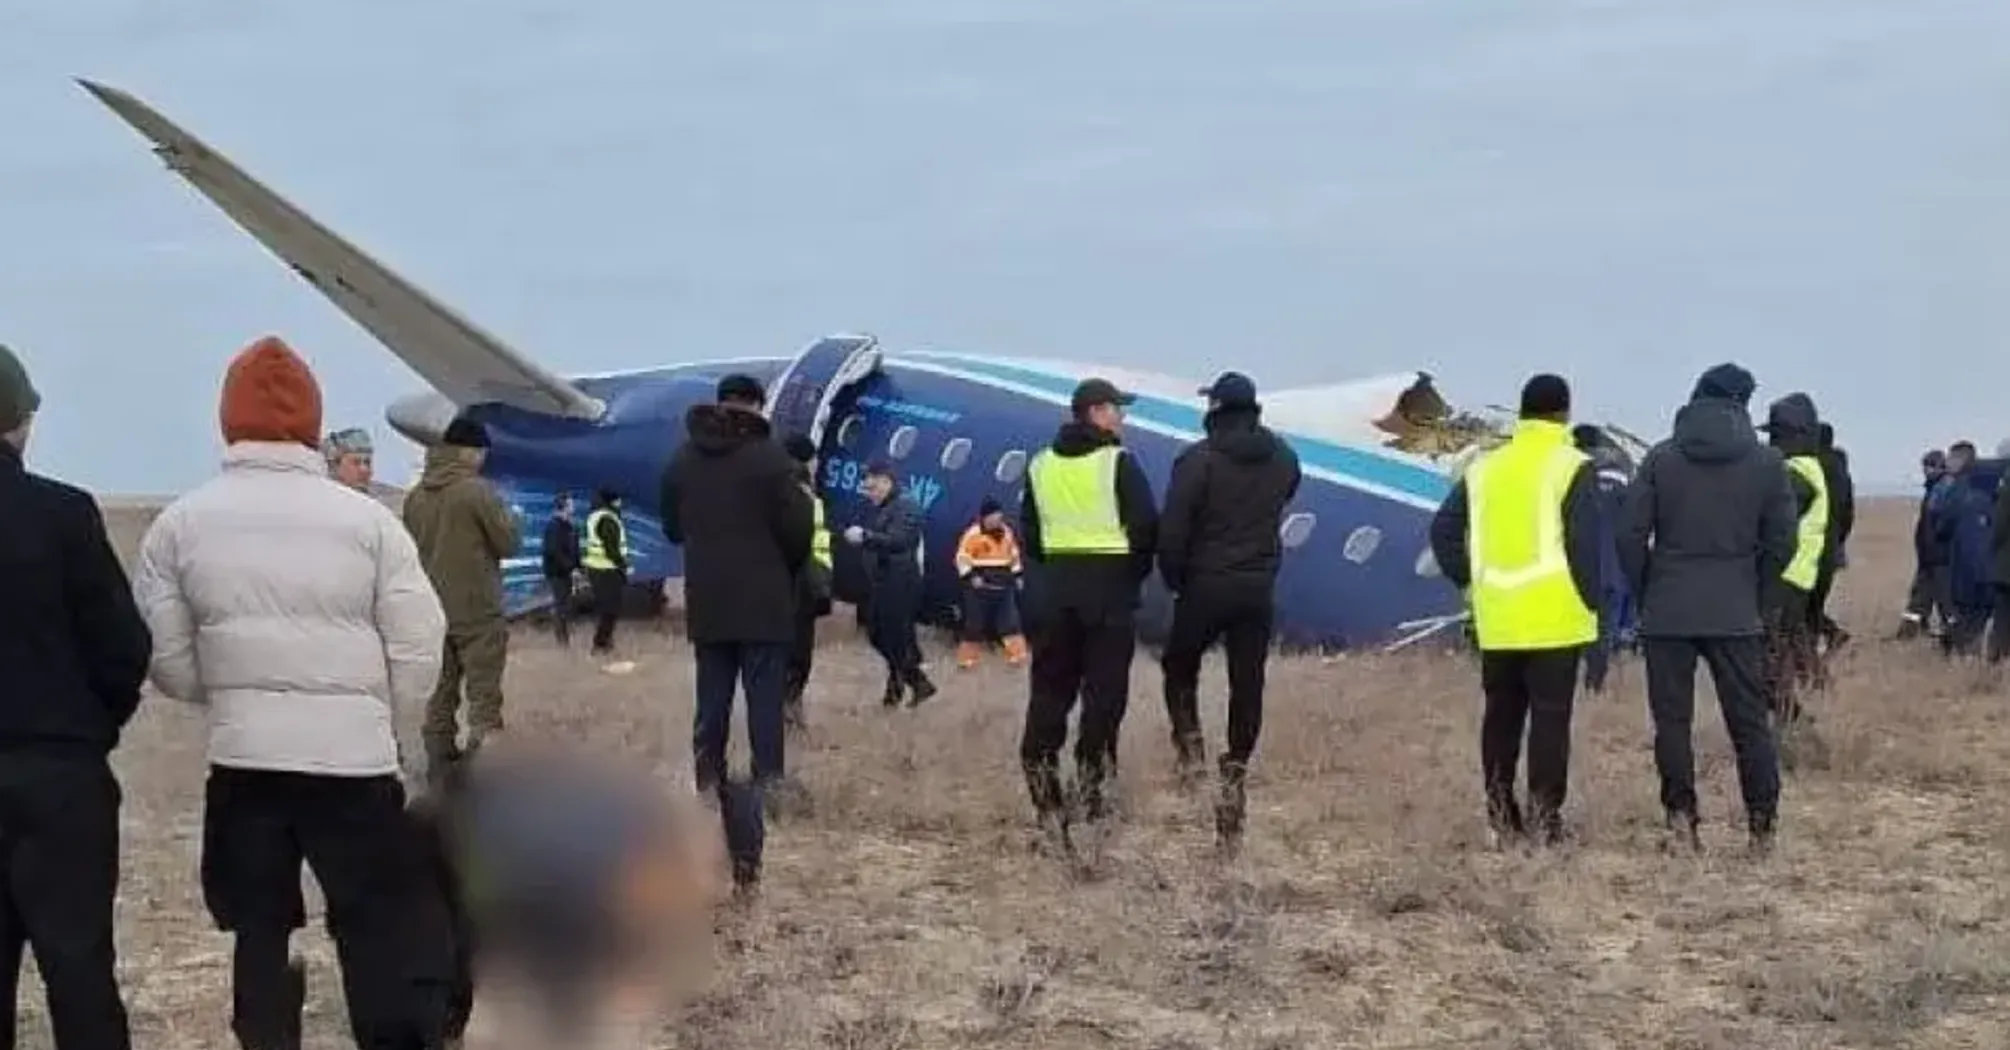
[1219,529]
[731,500]
[1581,536]
[1927,546]
[892,538]
[1095,582]
[1709,517]
[73,648]
[1842,504]
[560,549]
[1999,539]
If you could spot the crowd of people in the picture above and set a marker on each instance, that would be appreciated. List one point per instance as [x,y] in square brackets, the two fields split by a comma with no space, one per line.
[311,624]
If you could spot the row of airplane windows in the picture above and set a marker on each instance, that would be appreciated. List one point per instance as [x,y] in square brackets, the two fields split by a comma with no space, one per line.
[1295,531]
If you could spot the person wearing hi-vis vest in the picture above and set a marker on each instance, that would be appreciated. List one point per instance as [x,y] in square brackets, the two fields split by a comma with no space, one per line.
[1519,534]
[813,600]
[606,565]
[1709,517]
[1794,428]
[1090,525]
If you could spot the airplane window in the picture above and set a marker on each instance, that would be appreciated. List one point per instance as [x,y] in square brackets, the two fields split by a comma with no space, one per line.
[1297,529]
[902,442]
[848,432]
[1427,565]
[1010,466]
[955,454]
[1361,544]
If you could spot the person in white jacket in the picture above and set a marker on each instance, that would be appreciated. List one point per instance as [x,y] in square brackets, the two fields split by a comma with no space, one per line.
[294,610]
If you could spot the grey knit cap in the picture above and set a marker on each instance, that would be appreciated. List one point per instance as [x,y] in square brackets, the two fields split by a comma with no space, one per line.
[344,442]
[18,399]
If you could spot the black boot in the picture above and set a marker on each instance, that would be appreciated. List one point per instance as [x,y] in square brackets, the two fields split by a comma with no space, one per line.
[1763,833]
[740,811]
[1230,807]
[895,692]
[1682,832]
[1050,808]
[1189,759]
[921,686]
[268,1018]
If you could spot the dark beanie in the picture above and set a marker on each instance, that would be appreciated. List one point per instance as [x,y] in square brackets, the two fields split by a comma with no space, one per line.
[465,433]
[18,399]
[1725,382]
[989,506]
[1545,395]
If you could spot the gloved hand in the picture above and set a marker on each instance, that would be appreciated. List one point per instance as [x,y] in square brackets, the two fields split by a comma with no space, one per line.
[854,535]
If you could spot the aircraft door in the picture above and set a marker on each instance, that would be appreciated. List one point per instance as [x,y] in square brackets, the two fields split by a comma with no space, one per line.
[801,400]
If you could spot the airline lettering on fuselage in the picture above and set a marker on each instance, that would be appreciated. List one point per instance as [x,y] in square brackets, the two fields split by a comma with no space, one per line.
[845,474]
[910,410]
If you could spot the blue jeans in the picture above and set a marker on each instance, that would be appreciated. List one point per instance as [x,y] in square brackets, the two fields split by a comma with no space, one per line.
[760,669]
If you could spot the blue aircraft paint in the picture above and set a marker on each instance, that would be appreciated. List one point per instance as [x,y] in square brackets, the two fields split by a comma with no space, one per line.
[1410,479]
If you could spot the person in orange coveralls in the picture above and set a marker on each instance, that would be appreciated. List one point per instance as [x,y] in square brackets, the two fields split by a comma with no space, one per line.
[988,563]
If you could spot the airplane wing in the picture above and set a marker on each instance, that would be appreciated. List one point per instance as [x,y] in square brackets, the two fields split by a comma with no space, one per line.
[466,364]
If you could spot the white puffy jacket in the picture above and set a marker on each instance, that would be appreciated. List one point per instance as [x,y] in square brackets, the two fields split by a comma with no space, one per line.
[296,610]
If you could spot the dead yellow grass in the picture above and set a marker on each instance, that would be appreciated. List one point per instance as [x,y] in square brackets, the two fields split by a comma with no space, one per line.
[907,913]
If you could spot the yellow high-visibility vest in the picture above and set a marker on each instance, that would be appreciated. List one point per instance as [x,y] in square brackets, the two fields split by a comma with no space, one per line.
[1523,595]
[596,556]
[820,537]
[1814,525]
[1076,497]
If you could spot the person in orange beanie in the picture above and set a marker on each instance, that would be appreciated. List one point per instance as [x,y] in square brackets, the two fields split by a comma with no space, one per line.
[294,610]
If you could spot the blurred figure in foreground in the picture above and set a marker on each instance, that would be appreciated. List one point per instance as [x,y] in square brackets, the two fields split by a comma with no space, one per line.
[1835,557]
[1615,604]
[1219,548]
[732,499]
[1925,604]
[583,892]
[988,564]
[1709,518]
[1794,429]
[73,652]
[890,541]
[1090,520]
[1519,534]
[813,597]
[606,563]
[296,614]
[463,531]
[349,455]
[558,557]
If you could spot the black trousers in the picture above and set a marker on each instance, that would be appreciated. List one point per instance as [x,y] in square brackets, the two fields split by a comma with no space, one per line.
[390,927]
[890,630]
[1528,692]
[758,669]
[608,586]
[1242,623]
[1085,653]
[1737,668]
[59,871]
[802,659]
[561,607]
[1790,652]
[1999,626]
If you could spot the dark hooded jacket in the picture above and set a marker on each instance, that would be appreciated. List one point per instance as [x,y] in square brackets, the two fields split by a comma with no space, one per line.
[1709,516]
[1219,529]
[72,641]
[890,549]
[1967,528]
[1094,583]
[731,500]
[1925,541]
[1842,499]
[1791,423]
[1999,540]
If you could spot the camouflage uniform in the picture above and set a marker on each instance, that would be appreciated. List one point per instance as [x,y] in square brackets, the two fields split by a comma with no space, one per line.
[463,531]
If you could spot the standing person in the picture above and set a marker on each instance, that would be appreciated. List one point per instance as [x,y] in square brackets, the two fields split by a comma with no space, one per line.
[1793,425]
[813,598]
[1709,517]
[1089,520]
[559,558]
[1930,562]
[1219,551]
[349,456]
[1519,534]
[1999,632]
[606,563]
[891,541]
[989,566]
[1842,521]
[463,532]
[73,652]
[1615,619]
[1966,523]
[731,499]
[297,615]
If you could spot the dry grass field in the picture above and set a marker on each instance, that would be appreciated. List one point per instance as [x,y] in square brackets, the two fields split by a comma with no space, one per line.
[907,912]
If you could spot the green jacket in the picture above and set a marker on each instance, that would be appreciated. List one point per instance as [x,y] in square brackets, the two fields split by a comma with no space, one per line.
[463,532]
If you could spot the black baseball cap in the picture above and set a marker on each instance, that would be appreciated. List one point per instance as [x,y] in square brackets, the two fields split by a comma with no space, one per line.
[741,387]
[1096,391]
[1231,389]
